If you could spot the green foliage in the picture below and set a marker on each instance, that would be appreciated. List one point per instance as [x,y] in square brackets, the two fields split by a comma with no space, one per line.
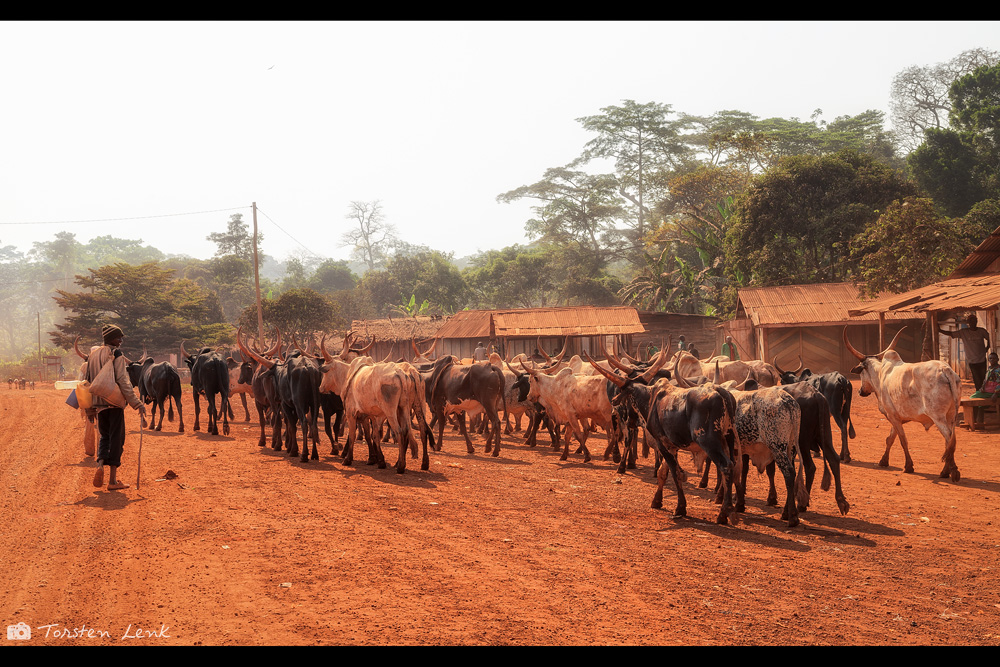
[301,311]
[154,309]
[794,223]
[513,277]
[909,246]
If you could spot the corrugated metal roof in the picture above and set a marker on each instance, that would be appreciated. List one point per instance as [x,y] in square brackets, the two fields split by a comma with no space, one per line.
[819,304]
[981,259]
[976,292]
[568,321]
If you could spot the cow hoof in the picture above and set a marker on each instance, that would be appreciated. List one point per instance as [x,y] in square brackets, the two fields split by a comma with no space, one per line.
[844,506]
[884,463]
[908,469]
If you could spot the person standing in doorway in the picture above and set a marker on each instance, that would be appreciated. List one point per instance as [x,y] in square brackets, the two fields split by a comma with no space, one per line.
[480,353]
[110,418]
[729,349]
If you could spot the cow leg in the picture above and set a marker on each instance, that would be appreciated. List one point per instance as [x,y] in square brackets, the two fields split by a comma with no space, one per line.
[950,467]
[460,417]
[262,441]
[897,430]
[197,412]
[159,425]
[845,452]
[494,420]
[180,413]
[661,478]
[243,397]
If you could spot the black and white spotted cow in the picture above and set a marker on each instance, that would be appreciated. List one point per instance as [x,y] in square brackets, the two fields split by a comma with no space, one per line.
[768,422]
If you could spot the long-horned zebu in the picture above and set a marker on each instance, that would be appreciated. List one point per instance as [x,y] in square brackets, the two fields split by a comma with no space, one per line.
[379,391]
[928,392]
[703,416]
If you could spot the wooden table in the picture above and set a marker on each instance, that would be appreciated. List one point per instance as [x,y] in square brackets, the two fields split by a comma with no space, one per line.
[968,403]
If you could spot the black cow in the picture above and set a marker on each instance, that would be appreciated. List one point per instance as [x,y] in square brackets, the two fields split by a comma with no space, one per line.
[460,387]
[209,378]
[703,416]
[157,384]
[838,392]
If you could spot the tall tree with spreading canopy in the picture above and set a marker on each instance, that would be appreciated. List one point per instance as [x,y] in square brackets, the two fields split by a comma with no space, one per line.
[644,142]
[910,245]
[237,240]
[919,95]
[794,223]
[152,308]
[371,238]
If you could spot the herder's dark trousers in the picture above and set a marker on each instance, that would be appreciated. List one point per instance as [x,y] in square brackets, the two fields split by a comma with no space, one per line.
[111,426]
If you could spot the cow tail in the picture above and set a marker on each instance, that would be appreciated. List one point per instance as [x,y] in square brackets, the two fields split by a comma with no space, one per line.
[801,492]
[846,413]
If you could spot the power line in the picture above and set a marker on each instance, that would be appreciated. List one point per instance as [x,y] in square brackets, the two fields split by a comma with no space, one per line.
[304,246]
[139,217]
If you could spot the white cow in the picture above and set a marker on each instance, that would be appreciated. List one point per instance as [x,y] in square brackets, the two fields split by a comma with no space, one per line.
[928,392]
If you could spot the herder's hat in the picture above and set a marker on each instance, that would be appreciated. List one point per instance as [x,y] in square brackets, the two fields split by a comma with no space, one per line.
[110,330]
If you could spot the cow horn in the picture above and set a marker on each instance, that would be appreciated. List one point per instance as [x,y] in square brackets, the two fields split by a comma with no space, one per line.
[277,344]
[682,381]
[658,362]
[612,377]
[512,370]
[142,359]
[612,360]
[743,384]
[850,348]
[245,350]
[295,342]
[363,350]
[392,346]
[326,353]
[892,345]
[184,354]
[77,348]
[559,357]
[347,345]
[538,343]
[716,376]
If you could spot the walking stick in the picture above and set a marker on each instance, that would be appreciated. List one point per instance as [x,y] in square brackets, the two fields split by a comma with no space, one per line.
[138,461]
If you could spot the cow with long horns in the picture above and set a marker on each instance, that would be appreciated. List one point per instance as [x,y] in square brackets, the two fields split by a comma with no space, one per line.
[928,392]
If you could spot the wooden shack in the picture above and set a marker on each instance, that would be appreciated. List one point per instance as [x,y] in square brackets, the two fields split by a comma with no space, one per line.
[702,330]
[793,322]
[511,332]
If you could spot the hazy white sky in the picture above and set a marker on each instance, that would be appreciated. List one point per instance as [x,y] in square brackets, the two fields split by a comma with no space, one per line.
[161,130]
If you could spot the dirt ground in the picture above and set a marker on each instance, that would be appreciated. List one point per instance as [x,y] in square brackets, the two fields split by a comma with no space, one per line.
[225,543]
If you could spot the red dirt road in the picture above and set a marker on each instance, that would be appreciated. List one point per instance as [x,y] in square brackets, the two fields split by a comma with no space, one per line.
[248,547]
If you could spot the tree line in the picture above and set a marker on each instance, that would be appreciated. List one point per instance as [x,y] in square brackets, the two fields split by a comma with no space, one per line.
[661,209]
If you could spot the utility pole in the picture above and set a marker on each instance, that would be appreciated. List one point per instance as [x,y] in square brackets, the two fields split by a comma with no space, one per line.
[40,367]
[256,280]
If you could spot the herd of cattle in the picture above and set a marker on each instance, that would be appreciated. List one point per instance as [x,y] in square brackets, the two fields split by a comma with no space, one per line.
[727,414]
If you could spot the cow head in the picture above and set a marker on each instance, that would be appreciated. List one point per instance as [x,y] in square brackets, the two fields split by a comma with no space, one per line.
[787,377]
[521,383]
[870,365]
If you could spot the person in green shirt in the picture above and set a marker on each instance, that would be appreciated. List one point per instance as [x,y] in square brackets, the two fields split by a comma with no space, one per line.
[729,349]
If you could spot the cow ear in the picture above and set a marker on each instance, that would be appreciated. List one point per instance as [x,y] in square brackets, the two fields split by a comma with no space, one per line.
[857,369]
